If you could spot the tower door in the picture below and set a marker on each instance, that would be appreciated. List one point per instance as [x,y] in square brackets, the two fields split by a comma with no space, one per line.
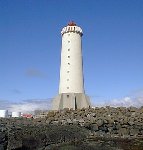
[75,103]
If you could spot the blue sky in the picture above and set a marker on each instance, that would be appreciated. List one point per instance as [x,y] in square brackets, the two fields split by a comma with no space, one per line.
[30,45]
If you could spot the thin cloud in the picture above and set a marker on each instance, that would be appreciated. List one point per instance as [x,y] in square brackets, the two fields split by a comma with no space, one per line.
[26,105]
[35,73]
[16,91]
[137,93]
[31,105]
[123,102]
[4,104]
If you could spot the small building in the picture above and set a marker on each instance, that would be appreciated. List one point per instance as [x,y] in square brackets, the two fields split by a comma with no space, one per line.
[3,113]
[27,115]
[16,114]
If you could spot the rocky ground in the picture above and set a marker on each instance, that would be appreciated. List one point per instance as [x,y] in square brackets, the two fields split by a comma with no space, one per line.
[87,129]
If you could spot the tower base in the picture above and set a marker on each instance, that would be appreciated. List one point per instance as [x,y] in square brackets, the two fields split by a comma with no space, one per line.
[70,100]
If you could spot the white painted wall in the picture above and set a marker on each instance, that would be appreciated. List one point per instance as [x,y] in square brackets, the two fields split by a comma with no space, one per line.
[3,113]
[71,39]
[16,114]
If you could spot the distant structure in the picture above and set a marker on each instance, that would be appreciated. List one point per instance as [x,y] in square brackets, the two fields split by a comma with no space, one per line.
[16,114]
[71,87]
[27,115]
[3,113]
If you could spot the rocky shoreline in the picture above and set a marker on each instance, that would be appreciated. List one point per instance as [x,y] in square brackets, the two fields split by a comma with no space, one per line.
[94,129]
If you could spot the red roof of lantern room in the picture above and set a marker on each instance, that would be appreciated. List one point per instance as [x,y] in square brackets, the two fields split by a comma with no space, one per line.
[72,23]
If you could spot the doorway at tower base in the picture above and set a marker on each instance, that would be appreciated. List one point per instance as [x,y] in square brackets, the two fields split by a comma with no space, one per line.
[71,101]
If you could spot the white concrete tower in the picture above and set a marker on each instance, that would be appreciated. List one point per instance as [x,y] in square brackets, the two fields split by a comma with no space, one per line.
[71,87]
[71,75]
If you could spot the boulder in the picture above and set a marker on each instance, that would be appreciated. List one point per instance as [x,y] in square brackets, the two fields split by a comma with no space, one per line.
[134,132]
[94,127]
[99,122]
[123,131]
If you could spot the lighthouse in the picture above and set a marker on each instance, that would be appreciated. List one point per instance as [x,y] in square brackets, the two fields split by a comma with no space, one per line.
[71,87]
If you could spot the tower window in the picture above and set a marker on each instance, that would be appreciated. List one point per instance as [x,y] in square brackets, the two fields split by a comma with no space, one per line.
[67,87]
[68,49]
[68,71]
[67,79]
[68,56]
[68,41]
[68,63]
[68,96]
